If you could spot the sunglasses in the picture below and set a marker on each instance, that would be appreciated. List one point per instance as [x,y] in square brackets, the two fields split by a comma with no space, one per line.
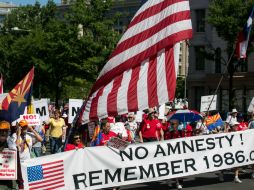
[76,138]
[173,123]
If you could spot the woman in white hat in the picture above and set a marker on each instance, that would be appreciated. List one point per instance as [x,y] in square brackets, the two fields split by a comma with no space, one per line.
[232,118]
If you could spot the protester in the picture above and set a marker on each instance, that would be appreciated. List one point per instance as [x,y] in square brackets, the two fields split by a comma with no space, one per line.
[132,126]
[24,142]
[106,134]
[37,146]
[174,130]
[149,128]
[56,131]
[4,144]
[242,124]
[119,129]
[200,128]
[165,127]
[74,142]
[174,134]
[235,127]
[25,139]
[251,122]
[232,118]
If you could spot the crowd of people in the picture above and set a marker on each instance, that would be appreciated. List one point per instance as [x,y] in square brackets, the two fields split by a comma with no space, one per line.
[30,141]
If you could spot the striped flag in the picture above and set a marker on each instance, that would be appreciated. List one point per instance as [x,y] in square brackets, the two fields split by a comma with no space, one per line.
[46,176]
[141,72]
[243,37]
[1,85]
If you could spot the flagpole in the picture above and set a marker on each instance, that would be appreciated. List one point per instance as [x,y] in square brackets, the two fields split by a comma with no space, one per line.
[221,78]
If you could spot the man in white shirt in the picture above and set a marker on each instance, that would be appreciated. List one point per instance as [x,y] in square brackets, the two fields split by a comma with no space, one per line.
[232,118]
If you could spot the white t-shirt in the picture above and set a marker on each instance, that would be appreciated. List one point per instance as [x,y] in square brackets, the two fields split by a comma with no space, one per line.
[132,126]
[119,128]
[24,151]
[230,120]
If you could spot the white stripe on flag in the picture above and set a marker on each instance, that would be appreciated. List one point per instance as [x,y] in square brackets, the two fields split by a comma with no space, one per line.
[122,95]
[142,86]
[102,102]
[153,20]
[146,6]
[135,50]
[85,117]
[161,78]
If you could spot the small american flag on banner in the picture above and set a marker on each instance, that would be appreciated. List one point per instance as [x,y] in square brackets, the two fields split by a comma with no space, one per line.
[46,176]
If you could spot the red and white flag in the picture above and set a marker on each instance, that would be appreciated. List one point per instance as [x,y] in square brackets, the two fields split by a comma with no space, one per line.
[46,176]
[1,85]
[141,72]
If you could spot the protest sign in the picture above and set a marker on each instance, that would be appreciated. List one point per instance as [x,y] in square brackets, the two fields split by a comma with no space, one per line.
[74,106]
[32,119]
[103,167]
[41,108]
[118,143]
[251,106]
[8,165]
[207,101]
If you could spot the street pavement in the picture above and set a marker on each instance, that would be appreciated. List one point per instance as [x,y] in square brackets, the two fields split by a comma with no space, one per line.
[209,181]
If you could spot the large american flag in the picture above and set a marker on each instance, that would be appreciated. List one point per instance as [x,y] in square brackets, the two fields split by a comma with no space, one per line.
[141,72]
[46,176]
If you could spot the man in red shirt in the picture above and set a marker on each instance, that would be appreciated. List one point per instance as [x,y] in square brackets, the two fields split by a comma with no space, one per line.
[106,133]
[149,128]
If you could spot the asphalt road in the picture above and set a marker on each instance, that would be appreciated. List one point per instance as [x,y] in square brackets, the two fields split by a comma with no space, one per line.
[209,181]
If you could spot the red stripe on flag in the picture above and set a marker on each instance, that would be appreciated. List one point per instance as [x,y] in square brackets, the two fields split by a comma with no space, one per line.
[137,60]
[55,187]
[57,166]
[44,173]
[50,163]
[94,105]
[132,90]
[49,184]
[144,35]
[53,175]
[45,181]
[112,97]
[152,82]
[170,72]
[153,10]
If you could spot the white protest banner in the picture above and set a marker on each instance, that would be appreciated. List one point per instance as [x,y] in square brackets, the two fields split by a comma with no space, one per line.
[74,106]
[103,167]
[41,108]
[118,143]
[206,101]
[8,165]
[32,119]
[251,106]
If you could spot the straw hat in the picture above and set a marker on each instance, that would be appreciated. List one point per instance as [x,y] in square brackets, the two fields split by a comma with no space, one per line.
[4,125]
[23,123]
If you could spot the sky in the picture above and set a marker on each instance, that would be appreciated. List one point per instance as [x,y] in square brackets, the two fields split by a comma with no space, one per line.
[25,2]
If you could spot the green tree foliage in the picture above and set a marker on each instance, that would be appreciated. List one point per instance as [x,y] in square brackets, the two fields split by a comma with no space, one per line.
[229,17]
[67,47]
